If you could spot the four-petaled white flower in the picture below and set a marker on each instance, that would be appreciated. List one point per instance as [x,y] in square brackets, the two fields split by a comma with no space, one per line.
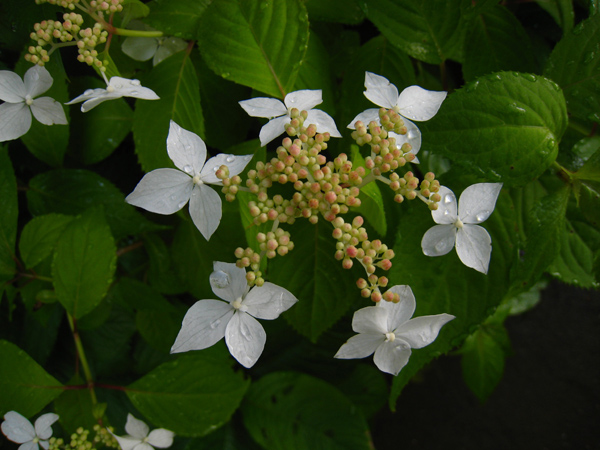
[20,102]
[279,113]
[139,438]
[166,191]
[208,321]
[458,224]
[117,87]
[18,429]
[388,331]
[414,103]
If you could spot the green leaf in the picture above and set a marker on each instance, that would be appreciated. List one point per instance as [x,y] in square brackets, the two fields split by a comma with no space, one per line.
[503,127]
[9,213]
[161,273]
[591,169]
[338,11]
[289,411]
[255,43]
[176,17]
[430,31]
[588,196]
[228,437]
[561,11]
[325,291]
[574,64]
[24,385]
[366,387]
[174,80]
[84,263]
[74,406]
[496,41]
[69,191]
[192,395]
[371,206]
[39,237]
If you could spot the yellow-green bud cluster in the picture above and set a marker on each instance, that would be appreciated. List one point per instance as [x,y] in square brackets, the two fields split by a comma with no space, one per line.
[56,443]
[69,4]
[110,6]
[230,186]
[271,244]
[370,288]
[48,32]
[104,437]
[89,39]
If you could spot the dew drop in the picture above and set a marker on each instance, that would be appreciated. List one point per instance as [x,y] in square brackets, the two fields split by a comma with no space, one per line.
[555,86]
[550,144]
[88,92]
[589,58]
[172,197]
[578,29]
[472,86]
[135,82]
[594,117]
[514,108]
[216,168]
[117,85]
[188,169]
[230,159]
[35,76]
[446,212]
[440,246]
[225,74]
[134,93]
[215,323]
[483,215]
[181,204]
[219,279]
[529,77]
[448,198]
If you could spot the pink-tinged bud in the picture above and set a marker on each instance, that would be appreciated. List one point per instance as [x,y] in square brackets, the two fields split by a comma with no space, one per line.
[250,277]
[411,195]
[398,198]
[302,173]
[245,261]
[282,251]
[337,233]
[369,163]
[367,260]
[388,296]
[373,279]
[376,296]
[330,197]
[383,281]
[330,216]
[361,283]
[366,293]
[389,254]
[263,218]
[313,203]
[360,254]
[287,143]
[339,255]
[313,219]
[385,264]
[351,251]
[370,268]
[272,244]
[271,254]
[239,252]
[321,159]
[261,237]
[347,263]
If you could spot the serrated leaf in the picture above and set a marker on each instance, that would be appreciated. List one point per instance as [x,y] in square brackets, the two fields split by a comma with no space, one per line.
[84,263]
[24,385]
[9,213]
[255,43]
[504,126]
[430,31]
[293,411]
[574,64]
[371,207]
[39,237]
[174,80]
[192,395]
[588,197]
[177,17]
[496,41]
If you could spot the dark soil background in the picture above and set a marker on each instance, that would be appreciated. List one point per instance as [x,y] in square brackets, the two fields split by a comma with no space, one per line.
[549,397]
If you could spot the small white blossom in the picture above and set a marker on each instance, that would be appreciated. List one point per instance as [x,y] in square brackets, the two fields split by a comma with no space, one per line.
[159,49]
[20,102]
[141,438]
[166,191]
[388,331]
[458,224]
[208,321]
[279,113]
[117,87]
[18,429]
[413,103]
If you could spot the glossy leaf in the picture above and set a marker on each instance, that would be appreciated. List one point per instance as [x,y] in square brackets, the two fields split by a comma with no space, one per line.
[39,237]
[178,18]
[74,406]
[561,11]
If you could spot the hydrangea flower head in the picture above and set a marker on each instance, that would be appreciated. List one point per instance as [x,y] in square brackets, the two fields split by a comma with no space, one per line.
[208,321]
[166,191]
[458,225]
[388,331]
[279,113]
[21,99]
[117,87]
[18,429]
[141,438]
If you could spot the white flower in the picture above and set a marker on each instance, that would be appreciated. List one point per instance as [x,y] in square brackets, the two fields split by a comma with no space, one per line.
[117,87]
[166,191]
[413,103]
[144,48]
[208,321]
[459,224]
[386,330]
[139,439]
[279,113]
[18,429]
[20,102]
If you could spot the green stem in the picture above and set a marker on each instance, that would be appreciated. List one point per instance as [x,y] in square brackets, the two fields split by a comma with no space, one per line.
[367,179]
[83,359]
[563,173]
[137,33]
[62,44]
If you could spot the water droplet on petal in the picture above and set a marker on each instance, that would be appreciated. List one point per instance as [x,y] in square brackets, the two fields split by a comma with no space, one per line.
[245,331]
[216,168]
[440,246]
[220,279]
[483,215]
[181,204]
[230,159]
[117,85]
[448,198]
[35,76]
[215,323]
[88,92]
[135,82]
[188,169]
[446,212]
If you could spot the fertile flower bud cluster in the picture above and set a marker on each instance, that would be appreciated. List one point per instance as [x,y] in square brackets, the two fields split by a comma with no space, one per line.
[69,4]
[80,440]
[89,39]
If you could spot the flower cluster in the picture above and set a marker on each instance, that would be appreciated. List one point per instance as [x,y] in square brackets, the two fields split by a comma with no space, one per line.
[20,430]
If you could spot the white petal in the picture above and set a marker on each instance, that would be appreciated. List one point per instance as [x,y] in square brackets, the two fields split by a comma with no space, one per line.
[268,301]
[143,446]
[15,120]
[88,94]
[186,149]
[234,163]
[412,136]
[132,88]
[365,117]
[400,312]
[474,247]
[438,240]
[93,102]
[422,331]
[245,338]
[380,91]
[29,446]
[203,325]
[17,428]
[44,444]
[37,81]
[391,357]
[304,100]
[228,281]
[420,104]
[264,107]
[161,438]
[48,111]
[12,88]
[370,320]
[162,191]
[360,346]
[126,442]
[272,129]
[447,211]
[205,209]
[136,428]
[140,48]
[323,121]
[43,425]
[477,202]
